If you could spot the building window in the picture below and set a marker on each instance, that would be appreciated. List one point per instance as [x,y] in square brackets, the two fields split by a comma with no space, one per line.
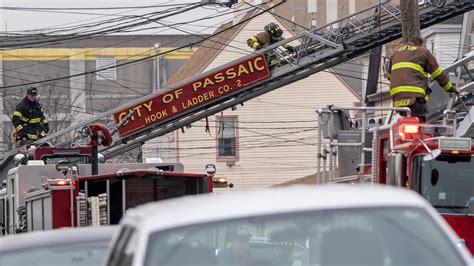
[107,74]
[227,144]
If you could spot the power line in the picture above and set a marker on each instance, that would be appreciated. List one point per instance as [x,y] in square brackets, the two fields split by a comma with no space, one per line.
[47,63]
[141,59]
[72,88]
[16,8]
[129,40]
[104,31]
[62,30]
[71,23]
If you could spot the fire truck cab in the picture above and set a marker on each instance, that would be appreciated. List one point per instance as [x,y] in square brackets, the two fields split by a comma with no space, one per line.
[427,158]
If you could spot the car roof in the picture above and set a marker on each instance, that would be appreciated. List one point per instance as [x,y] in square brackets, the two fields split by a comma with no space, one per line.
[206,208]
[56,237]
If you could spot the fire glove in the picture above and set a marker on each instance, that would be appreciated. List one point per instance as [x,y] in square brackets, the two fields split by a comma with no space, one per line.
[290,49]
[456,90]
[22,134]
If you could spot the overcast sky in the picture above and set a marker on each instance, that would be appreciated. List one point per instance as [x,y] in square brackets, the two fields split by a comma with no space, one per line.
[21,20]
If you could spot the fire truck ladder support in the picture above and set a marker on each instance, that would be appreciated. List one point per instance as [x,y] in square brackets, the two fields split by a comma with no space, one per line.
[454,109]
[319,49]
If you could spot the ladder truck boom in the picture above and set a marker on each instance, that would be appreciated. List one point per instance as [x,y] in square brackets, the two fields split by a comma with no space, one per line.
[319,49]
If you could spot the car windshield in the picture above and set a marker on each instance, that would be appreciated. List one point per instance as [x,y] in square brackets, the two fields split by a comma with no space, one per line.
[371,236]
[90,253]
[448,183]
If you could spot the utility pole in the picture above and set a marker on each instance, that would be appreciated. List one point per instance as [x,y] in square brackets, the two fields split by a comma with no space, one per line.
[409,19]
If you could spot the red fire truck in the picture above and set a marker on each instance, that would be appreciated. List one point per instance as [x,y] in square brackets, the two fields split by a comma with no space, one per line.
[56,187]
[423,157]
[39,196]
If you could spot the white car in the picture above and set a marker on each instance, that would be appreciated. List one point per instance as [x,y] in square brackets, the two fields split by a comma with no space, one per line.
[64,246]
[293,226]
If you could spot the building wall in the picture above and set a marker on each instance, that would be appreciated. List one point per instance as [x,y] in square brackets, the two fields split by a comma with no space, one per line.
[76,99]
[276,132]
[443,41]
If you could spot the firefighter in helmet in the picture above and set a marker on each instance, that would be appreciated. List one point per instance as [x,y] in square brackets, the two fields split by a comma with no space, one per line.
[408,72]
[272,34]
[28,119]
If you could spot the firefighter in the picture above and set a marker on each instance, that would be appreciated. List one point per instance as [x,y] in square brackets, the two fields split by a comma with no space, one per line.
[237,249]
[29,120]
[272,34]
[408,72]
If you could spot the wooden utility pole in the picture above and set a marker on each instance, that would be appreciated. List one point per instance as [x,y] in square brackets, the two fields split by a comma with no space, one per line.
[409,19]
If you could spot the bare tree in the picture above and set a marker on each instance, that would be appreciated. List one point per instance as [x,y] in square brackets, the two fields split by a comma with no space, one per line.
[60,109]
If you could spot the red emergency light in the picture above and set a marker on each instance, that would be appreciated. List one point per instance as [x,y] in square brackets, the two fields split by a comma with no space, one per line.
[59,182]
[410,129]
[407,128]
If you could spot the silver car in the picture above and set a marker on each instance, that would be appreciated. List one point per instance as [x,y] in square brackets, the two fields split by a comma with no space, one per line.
[294,226]
[70,246]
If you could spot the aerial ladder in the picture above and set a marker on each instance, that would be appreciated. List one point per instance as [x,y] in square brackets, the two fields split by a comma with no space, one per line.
[318,49]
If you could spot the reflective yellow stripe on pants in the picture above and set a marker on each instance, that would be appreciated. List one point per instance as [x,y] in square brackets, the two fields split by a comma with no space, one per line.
[32,136]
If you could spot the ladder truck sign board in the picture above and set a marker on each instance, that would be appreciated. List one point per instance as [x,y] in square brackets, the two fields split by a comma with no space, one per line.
[204,89]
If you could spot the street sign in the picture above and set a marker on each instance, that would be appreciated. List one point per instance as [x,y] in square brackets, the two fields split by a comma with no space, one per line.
[174,101]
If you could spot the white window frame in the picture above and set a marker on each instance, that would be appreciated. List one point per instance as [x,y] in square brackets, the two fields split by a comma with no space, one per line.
[106,61]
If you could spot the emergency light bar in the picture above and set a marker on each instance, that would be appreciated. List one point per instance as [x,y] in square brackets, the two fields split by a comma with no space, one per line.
[59,182]
[410,129]
[436,130]
[459,144]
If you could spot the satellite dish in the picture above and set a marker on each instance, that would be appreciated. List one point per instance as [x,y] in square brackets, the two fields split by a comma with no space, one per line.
[432,155]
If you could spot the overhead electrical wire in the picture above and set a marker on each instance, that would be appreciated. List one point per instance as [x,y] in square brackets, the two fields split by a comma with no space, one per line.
[119,18]
[17,8]
[120,43]
[130,9]
[47,63]
[64,31]
[100,32]
[141,59]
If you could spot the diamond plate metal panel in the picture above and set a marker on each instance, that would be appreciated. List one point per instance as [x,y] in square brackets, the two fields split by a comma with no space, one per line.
[37,215]
[48,214]
[29,214]
[32,177]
